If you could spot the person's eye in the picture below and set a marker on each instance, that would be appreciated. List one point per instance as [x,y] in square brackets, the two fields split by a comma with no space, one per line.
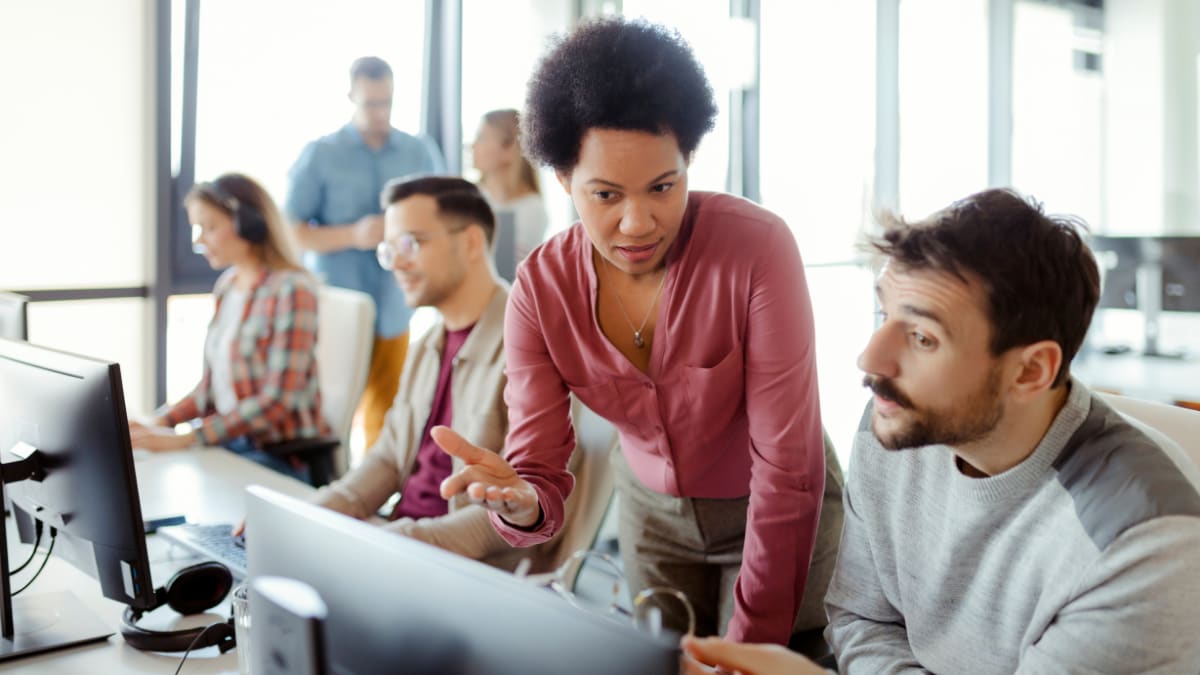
[662,187]
[923,342]
[605,195]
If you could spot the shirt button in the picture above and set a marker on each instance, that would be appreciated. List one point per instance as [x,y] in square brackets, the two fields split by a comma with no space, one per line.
[658,428]
[649,385]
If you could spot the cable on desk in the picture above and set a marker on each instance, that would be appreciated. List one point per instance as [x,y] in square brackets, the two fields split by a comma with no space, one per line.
[53,538]
[194,641]
[32,554]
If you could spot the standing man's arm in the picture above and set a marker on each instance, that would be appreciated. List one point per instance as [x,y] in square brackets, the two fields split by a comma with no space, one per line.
[865,630]
[1135,609]
[303,206]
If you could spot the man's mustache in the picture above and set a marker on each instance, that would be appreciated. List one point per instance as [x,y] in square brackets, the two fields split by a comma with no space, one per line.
[885,388]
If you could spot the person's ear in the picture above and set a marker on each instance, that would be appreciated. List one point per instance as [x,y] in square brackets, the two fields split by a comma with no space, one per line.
[1038,366]
[564,179]
[477,242]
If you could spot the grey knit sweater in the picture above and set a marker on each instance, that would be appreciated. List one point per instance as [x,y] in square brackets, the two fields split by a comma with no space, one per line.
[1084,558]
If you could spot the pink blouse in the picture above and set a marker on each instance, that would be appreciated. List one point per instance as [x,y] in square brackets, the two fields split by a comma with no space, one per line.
[729,406]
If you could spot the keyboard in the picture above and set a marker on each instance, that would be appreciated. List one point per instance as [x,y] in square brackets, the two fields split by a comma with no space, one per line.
[213,542]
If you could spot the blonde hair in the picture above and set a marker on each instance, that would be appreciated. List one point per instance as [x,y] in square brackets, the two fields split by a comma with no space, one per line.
[508,122]
[232,192]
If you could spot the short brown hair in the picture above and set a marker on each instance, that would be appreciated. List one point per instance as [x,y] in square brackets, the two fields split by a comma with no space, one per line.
[1040,277]
[457,198]
[370,67]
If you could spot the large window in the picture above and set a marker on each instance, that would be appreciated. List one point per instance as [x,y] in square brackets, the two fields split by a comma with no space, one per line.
[272,76]
[1058,103]
[943,103]
[496,66]
[817,131]
[76,169]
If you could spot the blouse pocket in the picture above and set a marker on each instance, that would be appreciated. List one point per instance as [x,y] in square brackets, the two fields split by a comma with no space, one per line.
[718,393]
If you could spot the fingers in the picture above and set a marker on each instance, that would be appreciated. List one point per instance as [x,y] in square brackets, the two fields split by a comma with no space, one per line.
[717,652]
[239,528]
[455,445]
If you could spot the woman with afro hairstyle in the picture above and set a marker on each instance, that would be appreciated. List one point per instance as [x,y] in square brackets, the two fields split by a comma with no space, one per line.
[684,319]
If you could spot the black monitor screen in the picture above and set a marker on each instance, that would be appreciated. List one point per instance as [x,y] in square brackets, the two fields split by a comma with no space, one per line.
[1181,274]
[13,324]
[399,605]
[1118,259]
[71,409]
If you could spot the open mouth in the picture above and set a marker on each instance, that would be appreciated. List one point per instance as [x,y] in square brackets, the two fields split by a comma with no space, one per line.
[638,253]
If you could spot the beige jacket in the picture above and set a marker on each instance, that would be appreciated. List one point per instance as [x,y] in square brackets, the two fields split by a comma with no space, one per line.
[479,414]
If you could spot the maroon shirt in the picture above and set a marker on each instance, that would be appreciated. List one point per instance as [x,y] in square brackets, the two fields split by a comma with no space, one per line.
[422,497]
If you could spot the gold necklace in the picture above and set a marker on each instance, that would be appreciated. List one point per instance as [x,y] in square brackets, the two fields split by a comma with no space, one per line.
[638,341]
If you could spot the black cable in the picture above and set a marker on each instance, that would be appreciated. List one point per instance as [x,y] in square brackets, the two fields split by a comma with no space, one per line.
[53,538]
[194,641]
[32,554]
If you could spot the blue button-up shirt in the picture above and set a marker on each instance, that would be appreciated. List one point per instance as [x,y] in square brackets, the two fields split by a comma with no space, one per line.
[337,180]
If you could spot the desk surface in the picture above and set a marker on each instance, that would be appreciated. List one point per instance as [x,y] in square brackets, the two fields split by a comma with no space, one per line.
[207,486]
[1146,377]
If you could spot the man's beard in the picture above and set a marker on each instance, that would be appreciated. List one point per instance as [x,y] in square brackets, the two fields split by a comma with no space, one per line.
[971,420]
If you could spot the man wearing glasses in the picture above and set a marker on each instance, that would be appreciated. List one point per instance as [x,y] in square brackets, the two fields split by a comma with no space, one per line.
[437,241]
[333,205]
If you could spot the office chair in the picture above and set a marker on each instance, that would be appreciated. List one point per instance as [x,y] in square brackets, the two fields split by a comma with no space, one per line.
[588,504]
[1177,423]
[345,329]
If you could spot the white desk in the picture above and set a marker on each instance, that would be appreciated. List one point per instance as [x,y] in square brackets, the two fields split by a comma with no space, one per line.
[1146,377]
[205,485]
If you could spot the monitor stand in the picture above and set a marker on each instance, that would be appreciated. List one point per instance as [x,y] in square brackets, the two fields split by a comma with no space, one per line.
[39,623]
[49,622]
[1149,292]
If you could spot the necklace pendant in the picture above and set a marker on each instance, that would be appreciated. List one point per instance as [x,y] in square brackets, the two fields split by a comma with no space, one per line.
[637,339]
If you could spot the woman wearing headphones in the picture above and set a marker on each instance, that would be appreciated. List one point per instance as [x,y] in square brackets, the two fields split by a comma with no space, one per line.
[260,372]
[507,179]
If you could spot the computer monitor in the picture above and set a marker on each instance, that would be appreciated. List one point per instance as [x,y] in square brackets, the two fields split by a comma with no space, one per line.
[1118,259]
[68,465]
[13,323]
[398,605]
[1180,274]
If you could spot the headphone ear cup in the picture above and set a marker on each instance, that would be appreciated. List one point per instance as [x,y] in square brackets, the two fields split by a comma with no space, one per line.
[198,587]
[250,225]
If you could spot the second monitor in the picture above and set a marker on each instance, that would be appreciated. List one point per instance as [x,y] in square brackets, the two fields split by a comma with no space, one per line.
[399,605]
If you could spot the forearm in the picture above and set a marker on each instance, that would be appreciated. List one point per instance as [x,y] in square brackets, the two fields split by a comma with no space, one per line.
[364,489]
[465,531]
[866,647]
[325,238]
[780,534]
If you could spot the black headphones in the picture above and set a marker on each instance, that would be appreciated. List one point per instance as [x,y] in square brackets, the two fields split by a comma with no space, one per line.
[192,590]
[248,222]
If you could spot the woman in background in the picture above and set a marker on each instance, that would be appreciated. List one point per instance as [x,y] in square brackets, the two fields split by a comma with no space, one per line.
[507,179]
[260,372]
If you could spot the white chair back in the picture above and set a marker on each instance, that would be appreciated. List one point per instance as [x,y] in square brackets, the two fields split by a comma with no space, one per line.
[1178,424]
[345,332]
[595,441]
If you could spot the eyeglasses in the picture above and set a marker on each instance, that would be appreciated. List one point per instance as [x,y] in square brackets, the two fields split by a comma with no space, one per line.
[646,615]
[404,246]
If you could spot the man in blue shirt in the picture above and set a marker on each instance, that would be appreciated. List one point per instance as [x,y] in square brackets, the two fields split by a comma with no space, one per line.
[333,204]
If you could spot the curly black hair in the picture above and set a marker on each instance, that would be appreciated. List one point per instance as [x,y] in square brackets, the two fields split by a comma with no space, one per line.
[615,73]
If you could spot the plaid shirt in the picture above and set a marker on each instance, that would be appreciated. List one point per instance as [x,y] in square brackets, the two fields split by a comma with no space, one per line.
[274,366]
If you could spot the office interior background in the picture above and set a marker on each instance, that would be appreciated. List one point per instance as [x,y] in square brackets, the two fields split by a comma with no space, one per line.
[829,112]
